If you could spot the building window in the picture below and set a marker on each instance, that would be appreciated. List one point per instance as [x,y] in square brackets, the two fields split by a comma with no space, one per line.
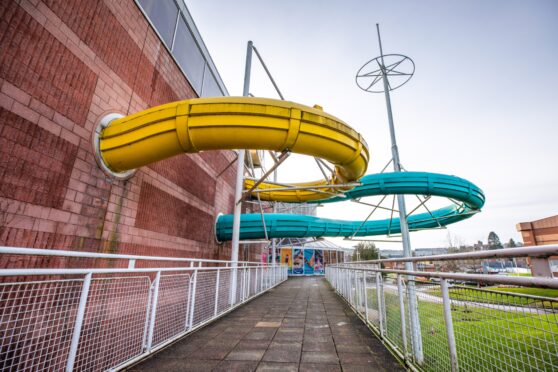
[188,55]
[183,41]
[163,15]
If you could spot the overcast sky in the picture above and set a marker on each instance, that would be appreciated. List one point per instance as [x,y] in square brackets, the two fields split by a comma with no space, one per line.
[483,103]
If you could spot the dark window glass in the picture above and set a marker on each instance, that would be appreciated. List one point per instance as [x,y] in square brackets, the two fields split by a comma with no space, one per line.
[162,13]
[210,86]
[188,55]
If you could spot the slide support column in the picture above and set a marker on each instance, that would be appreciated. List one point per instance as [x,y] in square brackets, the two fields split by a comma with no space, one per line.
[416,338]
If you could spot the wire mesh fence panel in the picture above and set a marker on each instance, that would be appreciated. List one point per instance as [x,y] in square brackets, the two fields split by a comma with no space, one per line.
[204,306]
[114,322]
[373,314]
[172,307]
[239,284]
[224,296]
[352,289]
[432,327]
[260,281]
[393,326]
[253,282]
[359,293]
[36,324]
[265,278]
[498,331]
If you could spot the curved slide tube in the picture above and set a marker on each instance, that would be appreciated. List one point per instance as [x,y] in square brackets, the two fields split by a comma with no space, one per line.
[254,123]
[237,123]
[419,183]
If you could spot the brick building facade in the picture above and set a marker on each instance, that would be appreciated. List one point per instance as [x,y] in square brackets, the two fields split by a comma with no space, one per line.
[64,64]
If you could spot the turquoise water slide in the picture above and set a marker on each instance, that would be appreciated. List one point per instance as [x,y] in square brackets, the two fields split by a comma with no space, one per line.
[467,199]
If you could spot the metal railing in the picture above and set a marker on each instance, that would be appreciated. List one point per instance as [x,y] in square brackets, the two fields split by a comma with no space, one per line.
[461,325]
[109,318]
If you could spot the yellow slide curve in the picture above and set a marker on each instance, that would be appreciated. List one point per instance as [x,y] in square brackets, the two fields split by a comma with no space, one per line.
[227,123]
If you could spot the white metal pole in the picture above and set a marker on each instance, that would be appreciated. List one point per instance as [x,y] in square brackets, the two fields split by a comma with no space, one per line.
[273,242]
[153,311]
[402,313]
[79,323]
[217,292]
[449,325]
[379,296]
[365,296]
[239,181]
[256,289]
[416,337]
[193,299]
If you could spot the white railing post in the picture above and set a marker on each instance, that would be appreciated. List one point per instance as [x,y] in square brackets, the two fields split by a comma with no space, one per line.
[217,292]
[79,322]
[256,281]
[153,311]
[147,317]
[449,325]
[357,290]
[193,299]
[416,334]
[262,280]
[244,277]
[355,283]
[402,314]
[365,296]
[347,284]
[249,283]
[380,296]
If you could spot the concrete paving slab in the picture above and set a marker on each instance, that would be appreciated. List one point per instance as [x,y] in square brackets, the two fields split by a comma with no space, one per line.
[301,325]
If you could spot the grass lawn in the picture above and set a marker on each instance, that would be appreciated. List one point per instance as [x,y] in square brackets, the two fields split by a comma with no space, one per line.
[500,296]
[487,339]
[543,292]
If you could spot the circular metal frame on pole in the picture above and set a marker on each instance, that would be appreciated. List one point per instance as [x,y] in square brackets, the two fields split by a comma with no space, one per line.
[398,67]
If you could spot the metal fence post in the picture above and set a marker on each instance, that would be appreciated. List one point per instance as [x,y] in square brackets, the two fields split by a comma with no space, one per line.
[355,283]
[262,281]
[345,286]
[348,285]
[193,299]
[244,280]
[217,292]
[380,296]
[249,285]
[79,322]
[153,311]
[256,281]
[402,313]
[365,296]
[449,325]
[416,335]
[357,290]
[147,317]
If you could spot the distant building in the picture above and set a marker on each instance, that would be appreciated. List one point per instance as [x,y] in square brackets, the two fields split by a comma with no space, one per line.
[539,232]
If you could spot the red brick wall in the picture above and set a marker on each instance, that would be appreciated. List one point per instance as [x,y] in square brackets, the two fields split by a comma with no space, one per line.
[63,65]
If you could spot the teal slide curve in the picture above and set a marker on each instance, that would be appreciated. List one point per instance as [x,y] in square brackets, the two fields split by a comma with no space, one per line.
[468,199]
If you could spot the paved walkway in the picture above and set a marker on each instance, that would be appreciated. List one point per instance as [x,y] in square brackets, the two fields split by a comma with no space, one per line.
[301,325]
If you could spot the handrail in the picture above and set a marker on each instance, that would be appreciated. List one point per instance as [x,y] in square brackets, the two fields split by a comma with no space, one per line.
[539,251]
[65,253]
[47,272]
[483,278]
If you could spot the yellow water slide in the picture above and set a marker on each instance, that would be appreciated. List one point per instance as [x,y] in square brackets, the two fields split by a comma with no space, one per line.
[201,124]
